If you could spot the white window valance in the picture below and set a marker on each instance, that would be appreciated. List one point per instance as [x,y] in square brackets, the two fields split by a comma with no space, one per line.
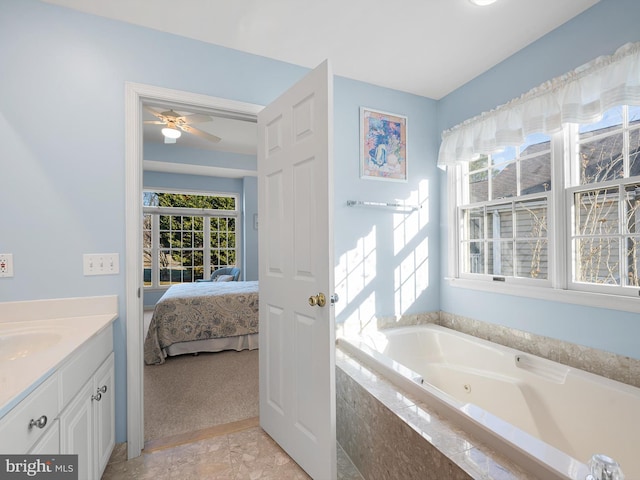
[580,96]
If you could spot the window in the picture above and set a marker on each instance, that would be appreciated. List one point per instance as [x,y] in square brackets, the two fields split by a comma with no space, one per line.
[187,236]
[503,212]
[527,215]
[605,199]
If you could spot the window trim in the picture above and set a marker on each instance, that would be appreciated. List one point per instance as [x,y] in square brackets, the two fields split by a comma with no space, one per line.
[583,298]
[207,193]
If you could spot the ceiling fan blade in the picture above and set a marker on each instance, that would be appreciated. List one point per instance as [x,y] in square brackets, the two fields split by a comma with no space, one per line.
[196,118]
[154,122]
[152,111]
[200,133]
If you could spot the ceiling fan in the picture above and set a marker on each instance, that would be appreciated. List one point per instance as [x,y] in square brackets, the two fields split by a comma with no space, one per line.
[175,124]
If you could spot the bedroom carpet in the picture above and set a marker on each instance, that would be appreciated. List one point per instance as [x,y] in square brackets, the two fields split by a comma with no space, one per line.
[189,393]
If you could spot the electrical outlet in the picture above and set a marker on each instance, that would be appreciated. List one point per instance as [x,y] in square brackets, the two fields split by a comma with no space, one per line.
[6,264]
[101,263]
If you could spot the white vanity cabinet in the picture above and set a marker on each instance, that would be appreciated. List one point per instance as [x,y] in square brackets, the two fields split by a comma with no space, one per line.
[87,424]
[72,411]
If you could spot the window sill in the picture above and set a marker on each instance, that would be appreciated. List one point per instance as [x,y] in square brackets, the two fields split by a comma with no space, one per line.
[587,299]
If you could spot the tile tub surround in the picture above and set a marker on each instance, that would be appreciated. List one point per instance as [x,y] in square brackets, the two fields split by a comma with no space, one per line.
[610,365]
[388,435]
[408,320]
[352,328]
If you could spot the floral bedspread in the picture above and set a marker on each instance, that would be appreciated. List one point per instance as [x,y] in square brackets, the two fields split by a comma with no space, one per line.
[199,311]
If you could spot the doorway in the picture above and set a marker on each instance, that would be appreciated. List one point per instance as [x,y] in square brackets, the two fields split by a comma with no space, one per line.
[199,201]
[296,129]
[135,96]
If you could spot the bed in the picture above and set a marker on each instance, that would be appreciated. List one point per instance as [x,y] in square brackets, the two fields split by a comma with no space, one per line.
[203,317]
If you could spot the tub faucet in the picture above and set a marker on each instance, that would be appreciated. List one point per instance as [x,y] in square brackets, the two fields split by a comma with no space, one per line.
[604,468]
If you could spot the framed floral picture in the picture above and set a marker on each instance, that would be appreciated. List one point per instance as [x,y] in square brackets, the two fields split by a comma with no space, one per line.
[383,146]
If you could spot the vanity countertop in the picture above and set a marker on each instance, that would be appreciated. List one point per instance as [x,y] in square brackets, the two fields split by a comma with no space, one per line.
[32,348]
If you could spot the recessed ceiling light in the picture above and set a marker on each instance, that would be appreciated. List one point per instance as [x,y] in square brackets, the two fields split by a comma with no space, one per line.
[482,3]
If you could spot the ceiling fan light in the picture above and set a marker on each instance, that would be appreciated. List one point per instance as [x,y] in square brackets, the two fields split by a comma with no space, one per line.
[170,132]
[482,3]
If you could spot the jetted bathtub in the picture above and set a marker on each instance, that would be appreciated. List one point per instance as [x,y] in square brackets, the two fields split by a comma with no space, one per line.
[548,417]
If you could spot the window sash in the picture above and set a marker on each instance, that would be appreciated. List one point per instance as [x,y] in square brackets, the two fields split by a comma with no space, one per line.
[620,243]
[499,244]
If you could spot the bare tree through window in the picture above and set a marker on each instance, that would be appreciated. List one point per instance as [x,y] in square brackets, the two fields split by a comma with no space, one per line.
[606,216]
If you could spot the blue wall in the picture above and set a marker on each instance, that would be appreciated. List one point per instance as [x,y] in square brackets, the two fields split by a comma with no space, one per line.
[62,140]
[62,153]
[387,263]
[195,156]
[598,31]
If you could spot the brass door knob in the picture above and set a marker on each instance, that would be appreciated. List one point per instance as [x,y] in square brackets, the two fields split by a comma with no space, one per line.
[318,300]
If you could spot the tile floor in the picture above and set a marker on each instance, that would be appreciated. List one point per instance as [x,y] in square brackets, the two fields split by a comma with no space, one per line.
[247,454]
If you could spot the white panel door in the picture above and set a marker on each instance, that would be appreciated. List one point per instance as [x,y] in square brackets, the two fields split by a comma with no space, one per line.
[297,354]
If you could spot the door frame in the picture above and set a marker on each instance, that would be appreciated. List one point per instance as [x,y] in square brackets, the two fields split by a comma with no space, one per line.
[135,95]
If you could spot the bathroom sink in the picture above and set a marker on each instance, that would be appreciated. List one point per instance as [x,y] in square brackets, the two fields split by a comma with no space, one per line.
[21,344]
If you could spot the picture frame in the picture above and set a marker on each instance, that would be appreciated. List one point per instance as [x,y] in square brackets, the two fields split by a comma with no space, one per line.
[383,146]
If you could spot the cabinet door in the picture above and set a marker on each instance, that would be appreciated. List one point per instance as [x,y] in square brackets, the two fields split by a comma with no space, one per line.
[76,431]
[104,413]
[49,444]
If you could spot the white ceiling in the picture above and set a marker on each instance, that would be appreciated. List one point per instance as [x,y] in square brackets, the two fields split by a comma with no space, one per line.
[425,47]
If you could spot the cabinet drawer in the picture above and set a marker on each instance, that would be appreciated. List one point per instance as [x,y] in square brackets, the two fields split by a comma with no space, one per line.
[84,363]
[49,444]
[16,436]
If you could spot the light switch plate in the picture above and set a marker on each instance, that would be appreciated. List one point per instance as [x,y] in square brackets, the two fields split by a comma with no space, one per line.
[6,264]
[101,263]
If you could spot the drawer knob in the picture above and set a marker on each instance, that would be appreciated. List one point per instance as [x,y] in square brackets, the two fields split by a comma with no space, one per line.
[98,396]
[40,422]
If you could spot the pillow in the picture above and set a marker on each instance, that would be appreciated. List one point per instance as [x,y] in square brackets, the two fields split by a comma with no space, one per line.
[224,278]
